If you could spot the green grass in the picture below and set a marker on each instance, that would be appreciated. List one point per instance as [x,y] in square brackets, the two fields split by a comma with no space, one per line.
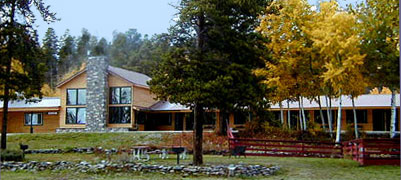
[68,140]
[291,168]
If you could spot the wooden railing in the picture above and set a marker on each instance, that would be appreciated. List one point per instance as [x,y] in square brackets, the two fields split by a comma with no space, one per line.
[289,148]
[373,151]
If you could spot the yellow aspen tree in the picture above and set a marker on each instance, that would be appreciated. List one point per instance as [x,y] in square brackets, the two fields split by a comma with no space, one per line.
[336,35]
[288,72]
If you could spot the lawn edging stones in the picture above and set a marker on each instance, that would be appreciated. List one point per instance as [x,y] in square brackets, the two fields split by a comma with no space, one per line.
[105,167]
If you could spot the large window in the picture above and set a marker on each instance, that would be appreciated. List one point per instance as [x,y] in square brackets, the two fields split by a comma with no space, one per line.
[361,115]
[76,116]
[160,119]
[76,96]
[120,115]
[120,95]
[34,119]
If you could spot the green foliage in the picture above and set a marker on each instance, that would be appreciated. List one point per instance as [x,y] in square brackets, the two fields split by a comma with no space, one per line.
[11,155]
[379,27]
[215,49]
[50,49]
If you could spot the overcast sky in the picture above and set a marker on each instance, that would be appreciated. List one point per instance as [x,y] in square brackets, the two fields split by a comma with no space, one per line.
[102,17]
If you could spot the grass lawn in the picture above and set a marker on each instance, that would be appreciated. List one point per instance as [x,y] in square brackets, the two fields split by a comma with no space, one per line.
[291,168]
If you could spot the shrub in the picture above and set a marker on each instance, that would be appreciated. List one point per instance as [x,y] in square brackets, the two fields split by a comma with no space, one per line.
[12,155]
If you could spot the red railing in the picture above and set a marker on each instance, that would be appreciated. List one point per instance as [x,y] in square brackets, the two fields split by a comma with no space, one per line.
[373,151]
[289,148]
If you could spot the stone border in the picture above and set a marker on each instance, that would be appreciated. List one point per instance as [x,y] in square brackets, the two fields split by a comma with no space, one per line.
[105,166]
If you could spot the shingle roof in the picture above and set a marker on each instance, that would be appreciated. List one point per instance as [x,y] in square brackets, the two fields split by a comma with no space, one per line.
[367,100]
[131,76]
[46,102]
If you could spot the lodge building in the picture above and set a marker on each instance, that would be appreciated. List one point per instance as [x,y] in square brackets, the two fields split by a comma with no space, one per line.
[103,98]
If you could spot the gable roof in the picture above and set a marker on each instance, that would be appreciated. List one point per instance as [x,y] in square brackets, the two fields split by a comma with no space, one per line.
[131,76]
[136,78]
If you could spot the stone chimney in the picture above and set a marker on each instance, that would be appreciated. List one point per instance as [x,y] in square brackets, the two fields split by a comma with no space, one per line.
[96,93]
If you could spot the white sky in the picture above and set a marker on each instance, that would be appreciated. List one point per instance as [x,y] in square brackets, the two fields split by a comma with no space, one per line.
[102,17]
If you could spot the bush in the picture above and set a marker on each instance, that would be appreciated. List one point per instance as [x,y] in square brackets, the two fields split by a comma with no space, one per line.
[12,155]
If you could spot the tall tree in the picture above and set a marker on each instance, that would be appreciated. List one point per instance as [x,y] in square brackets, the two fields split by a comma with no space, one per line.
[379,29]
[336,35]
[286,23]
[101,48]
[21,72]
[83,47]
[67,53]
[50,50]
[210,65]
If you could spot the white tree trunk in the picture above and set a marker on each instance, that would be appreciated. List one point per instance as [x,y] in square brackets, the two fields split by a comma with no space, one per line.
[303,113]
[355,119]
[338,135]
[329,120]
[393,114]
[281,113]
[299,115]
[321,114]
[288,115]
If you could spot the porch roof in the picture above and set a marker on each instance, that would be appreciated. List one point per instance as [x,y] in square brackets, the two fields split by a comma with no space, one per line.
[366,100]
[46,102]
[168,106]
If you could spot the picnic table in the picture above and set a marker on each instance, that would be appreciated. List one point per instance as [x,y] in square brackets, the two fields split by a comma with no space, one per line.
[140,153]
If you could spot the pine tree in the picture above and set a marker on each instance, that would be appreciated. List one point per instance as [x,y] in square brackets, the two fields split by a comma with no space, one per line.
[210,65]
[50,50]
[21,75]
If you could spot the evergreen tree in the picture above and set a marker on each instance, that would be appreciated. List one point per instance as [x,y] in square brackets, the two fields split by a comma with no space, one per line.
[210,65]
[67,54]
[50,50]
[21,72]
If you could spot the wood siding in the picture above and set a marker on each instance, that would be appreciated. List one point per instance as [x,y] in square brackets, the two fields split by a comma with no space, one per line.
[16,124]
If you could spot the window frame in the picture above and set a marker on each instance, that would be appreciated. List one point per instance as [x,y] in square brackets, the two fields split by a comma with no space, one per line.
[76,115]
[110,115]
[76,98]
[119,95]
[31,113]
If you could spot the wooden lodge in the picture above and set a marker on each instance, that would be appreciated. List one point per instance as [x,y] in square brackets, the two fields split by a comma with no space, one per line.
[108,98]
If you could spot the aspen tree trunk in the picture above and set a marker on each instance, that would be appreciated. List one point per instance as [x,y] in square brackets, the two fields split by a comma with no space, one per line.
[300,115]
[303,113]
[329,120]
[321,114]
[281,114]
[288,115]
[355,119]
[393,114]
[338,135]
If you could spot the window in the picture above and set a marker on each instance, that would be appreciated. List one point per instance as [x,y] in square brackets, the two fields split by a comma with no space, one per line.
[120,95]
[76,96]
[76,116]
[240,117]
[209,118]
[160,119]
[361,116]
[33,118]
[120,115]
